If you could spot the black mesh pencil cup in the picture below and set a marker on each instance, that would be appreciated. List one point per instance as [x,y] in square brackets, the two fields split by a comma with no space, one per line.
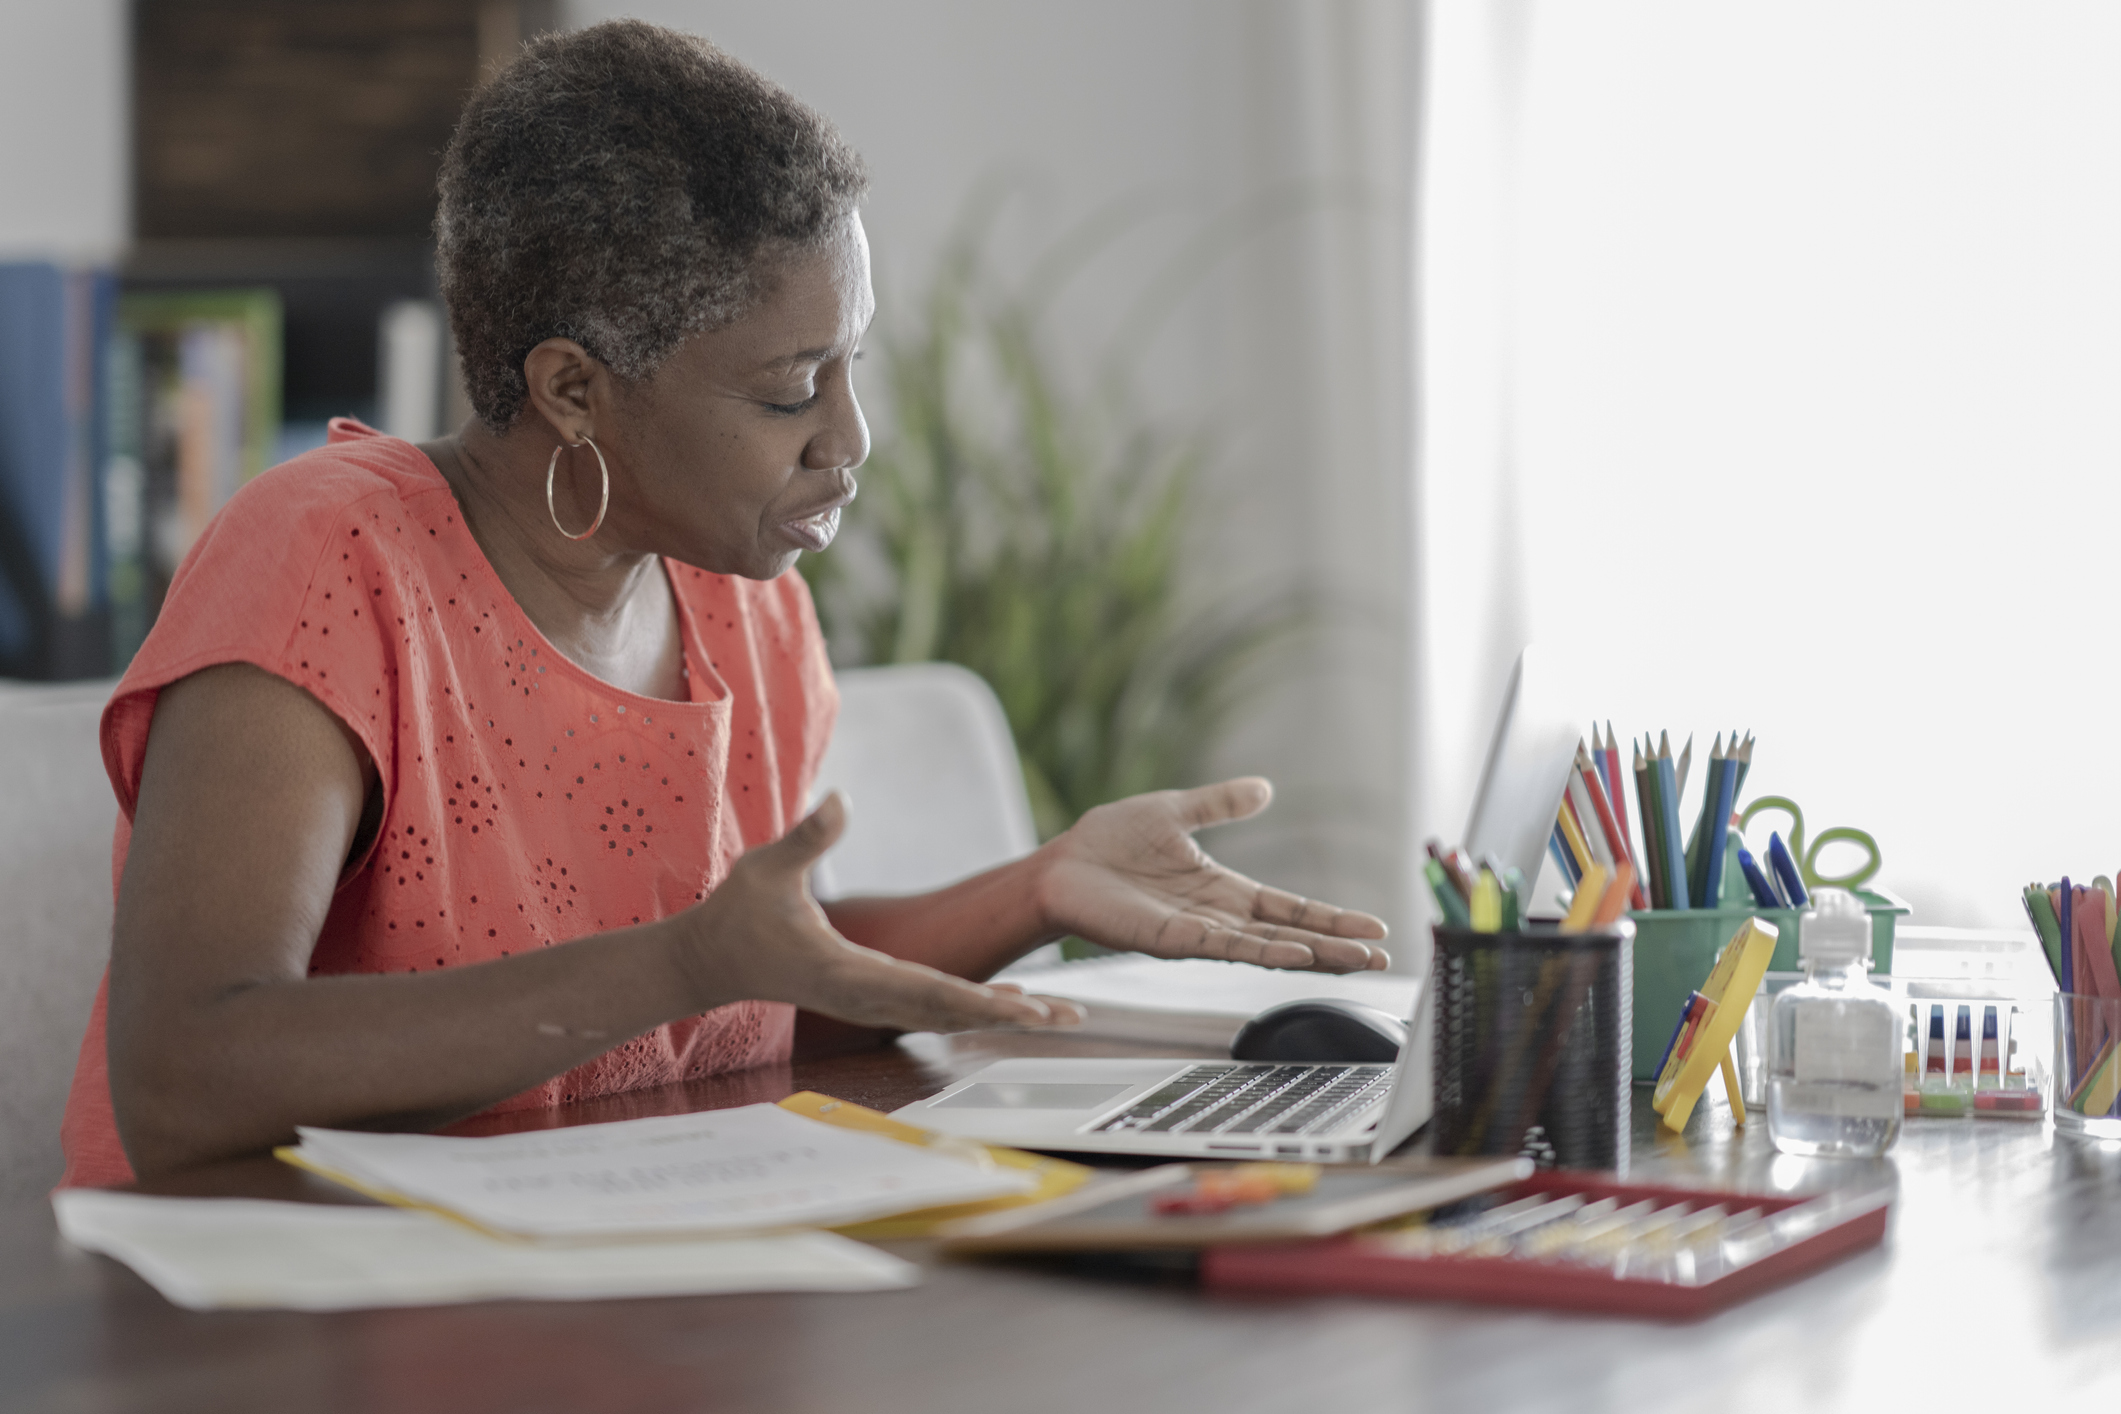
[1533,1033]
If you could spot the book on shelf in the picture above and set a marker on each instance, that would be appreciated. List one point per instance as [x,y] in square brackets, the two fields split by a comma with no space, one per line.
[194,398]
[126,422]
[54,328]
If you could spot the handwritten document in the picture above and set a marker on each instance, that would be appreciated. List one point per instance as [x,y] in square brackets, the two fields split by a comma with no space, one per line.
[717,1171]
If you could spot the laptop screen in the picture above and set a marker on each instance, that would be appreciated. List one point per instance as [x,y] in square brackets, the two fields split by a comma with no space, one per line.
[1536,735]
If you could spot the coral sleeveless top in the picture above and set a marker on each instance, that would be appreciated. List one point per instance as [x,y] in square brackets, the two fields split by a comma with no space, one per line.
[525,802]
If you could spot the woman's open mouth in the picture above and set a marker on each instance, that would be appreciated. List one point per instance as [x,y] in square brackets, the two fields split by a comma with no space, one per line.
[814,532]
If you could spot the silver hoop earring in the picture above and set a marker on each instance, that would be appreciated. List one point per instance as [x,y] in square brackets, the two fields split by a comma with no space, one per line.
[603,503]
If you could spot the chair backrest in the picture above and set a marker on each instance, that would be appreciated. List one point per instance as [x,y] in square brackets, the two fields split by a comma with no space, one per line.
[925,758]
[56,818]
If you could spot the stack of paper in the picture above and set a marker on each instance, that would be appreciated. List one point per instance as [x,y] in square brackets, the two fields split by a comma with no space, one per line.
[718,1171]
[1195,1001]
[208,1253]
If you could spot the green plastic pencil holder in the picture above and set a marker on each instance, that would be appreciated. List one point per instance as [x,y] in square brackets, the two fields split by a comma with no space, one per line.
[1675,949]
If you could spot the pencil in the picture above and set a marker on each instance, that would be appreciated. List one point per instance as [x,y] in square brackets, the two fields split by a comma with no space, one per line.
[1559,849]
[1616,897]
[1668,821]
[1589,895]
[1697,840]
[1686,762]
[1652,841]
[1587,799]
[1609,819]
[1725,783]
[1617,795]
[1608,762]
[1573,833]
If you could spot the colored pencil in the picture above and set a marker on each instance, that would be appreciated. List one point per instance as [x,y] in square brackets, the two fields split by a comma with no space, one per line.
[1616,787]
[1725,782]
[1572,832]
[1559,849]
[1697,840]
[1589,895]
[1617,896]
[1652,837]
[1609,820]
[1668,821]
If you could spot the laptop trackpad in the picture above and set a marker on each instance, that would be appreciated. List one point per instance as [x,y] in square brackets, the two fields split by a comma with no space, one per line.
[1028,1095]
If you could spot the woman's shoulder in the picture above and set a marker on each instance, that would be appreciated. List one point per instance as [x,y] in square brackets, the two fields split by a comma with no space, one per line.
[313,493]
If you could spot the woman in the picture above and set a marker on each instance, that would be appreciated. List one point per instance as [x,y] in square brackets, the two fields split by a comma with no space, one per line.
[471,774]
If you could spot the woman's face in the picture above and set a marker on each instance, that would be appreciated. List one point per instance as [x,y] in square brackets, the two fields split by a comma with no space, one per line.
[739,452]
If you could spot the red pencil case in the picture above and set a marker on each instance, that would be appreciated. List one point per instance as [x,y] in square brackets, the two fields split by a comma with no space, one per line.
[1769,1240]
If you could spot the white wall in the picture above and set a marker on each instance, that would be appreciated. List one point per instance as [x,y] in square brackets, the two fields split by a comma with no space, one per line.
[1294,351]
[65,107]
[1792,375]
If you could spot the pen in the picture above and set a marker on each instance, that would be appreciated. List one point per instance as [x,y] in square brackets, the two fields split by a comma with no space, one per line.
[1763,891]
[1785,870]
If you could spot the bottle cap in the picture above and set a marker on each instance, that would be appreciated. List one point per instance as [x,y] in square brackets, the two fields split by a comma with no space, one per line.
[1835,930]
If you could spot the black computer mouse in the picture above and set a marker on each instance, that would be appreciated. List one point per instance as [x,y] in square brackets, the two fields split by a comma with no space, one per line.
[1321,1029]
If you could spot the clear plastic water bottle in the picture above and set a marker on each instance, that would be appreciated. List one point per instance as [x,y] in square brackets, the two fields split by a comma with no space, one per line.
[1834,1061]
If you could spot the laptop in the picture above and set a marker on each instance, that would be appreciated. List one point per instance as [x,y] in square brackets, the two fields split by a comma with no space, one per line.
[1317,1113]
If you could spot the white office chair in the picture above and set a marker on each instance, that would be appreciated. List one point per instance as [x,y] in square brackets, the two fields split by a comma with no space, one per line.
[56,818]
[924,756]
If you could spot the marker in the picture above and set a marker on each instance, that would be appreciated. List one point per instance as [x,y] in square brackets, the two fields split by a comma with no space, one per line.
[1448,903]
[1763,891]
[1991,1077]
[1486,907]
[2067,922]
[1785,872]
[1937,1072]
[1963,1050]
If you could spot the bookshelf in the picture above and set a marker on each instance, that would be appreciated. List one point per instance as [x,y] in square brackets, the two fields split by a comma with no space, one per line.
[284,163]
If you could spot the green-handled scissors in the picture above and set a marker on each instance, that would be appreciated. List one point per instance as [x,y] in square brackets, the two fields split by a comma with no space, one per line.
[1808,859]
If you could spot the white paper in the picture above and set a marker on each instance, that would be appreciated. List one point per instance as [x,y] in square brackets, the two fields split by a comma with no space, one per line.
[209,1253]
[1198,999]
[758,1166]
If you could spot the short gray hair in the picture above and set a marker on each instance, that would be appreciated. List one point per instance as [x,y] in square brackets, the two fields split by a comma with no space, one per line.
[623,186]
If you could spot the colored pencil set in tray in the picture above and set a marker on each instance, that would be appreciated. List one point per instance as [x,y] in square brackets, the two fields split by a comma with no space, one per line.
[1576,1242]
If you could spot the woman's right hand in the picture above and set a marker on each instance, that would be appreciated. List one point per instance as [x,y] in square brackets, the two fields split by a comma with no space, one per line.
[760,935]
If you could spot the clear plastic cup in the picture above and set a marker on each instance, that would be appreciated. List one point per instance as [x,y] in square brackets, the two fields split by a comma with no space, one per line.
[2087,1083]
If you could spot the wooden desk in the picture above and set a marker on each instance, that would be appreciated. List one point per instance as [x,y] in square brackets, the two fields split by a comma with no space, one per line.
[2002,1276]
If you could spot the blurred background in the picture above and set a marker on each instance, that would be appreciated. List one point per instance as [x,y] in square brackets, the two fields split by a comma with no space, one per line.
[1252,378]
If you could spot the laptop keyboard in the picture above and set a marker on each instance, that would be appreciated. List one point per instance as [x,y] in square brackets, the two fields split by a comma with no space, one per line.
[1254,1099]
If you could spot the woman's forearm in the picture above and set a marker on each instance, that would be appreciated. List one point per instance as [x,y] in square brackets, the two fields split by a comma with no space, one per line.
[236,1072]
[971,929]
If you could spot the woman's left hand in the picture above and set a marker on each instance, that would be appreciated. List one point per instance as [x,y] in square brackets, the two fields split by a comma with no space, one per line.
[1128,875]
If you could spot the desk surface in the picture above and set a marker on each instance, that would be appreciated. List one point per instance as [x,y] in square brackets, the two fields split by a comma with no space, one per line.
[2002,1274]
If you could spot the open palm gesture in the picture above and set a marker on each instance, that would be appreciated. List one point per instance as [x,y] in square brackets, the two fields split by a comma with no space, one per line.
[1129,875]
